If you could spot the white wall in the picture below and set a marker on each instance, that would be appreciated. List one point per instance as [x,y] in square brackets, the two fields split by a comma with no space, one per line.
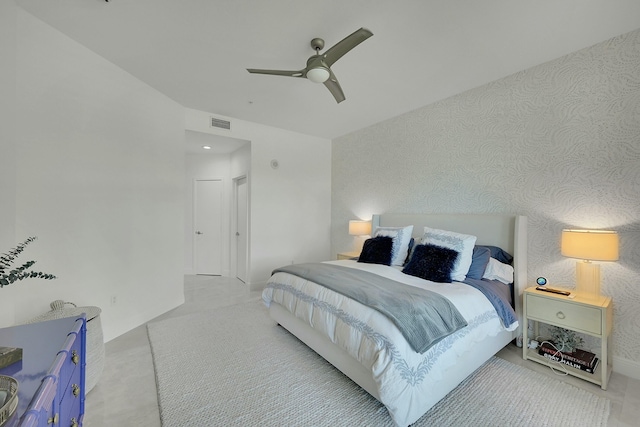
[290,207]
[7,122]
[100,181]
[559,142]
[7,144]
[240,162]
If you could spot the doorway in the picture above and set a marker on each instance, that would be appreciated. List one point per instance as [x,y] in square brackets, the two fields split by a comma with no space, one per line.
[242,227]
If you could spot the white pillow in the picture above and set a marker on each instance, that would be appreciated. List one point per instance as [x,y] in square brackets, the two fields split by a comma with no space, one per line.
[401,238]
[461,243]
[500,271]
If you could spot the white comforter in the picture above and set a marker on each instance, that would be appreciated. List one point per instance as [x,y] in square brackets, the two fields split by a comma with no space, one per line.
[404,377]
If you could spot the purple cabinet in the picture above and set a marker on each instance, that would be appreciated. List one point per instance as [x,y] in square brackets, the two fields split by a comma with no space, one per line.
[51,374]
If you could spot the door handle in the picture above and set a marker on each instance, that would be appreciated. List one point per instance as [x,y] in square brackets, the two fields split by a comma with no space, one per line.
[237,233]
[199,232]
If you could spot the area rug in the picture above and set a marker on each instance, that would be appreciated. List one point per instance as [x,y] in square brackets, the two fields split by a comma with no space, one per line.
[235,366]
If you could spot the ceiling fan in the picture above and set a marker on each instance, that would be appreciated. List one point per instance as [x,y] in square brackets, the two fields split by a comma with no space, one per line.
[318,67]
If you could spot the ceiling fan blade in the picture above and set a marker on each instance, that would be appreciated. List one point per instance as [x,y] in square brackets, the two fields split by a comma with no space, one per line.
[334,87]
[338,50]
[299,73]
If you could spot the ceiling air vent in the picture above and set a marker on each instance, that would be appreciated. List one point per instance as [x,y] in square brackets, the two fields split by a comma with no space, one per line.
[219,123]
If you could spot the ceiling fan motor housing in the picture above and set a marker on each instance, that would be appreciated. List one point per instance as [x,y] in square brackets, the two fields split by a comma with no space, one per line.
[317,44]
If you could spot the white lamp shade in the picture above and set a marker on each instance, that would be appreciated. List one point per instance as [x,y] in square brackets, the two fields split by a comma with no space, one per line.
[318,75]
[359,228]
[592,245]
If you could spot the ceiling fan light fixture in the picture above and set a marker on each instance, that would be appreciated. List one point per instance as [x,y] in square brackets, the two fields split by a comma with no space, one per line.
[318,75]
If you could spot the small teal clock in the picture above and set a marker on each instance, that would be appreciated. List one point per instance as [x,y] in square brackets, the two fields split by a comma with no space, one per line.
[541,281]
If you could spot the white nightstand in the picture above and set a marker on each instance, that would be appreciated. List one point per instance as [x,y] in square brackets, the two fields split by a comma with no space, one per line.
[591,316]
[348,255]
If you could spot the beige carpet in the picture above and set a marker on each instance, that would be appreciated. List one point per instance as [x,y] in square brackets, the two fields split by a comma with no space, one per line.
[235,367]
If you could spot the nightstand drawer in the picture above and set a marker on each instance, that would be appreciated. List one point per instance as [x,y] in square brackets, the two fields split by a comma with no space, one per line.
[573,316]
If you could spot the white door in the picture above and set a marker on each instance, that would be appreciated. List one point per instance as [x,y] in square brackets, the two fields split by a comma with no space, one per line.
[207,246]
[241,229]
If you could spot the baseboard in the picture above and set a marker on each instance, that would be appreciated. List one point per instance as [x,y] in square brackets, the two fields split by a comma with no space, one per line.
[626,367]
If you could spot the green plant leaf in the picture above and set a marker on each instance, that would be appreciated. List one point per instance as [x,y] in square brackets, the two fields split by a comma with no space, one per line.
[21,272]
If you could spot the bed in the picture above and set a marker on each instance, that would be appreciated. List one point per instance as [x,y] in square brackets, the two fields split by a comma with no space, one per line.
[374,349]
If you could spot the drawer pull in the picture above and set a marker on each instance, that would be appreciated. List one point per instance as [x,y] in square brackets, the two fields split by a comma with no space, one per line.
[76,390]
[560,315]
[53,420]
[74,423]
[74,357]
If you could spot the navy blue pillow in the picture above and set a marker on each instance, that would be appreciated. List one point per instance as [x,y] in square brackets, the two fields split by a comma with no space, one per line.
[377,250]
[431,262]
[479,262]
[500,254]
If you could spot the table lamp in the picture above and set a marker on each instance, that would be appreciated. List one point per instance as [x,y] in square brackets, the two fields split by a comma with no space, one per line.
[589,245]
[359,228]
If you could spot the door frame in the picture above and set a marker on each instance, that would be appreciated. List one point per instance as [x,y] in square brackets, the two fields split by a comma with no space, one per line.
[233,259]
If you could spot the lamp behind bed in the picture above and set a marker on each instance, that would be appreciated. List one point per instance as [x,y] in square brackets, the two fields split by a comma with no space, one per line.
[359,228]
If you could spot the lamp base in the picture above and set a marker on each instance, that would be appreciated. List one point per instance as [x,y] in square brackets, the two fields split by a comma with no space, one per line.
[588,279]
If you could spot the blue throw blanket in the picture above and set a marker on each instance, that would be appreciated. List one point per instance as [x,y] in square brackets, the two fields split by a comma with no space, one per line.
[423,317]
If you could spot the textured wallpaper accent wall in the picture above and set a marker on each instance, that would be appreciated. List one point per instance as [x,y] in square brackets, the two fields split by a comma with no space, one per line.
[559,142]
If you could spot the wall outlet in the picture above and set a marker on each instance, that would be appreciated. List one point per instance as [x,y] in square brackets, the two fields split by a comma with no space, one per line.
[114,300]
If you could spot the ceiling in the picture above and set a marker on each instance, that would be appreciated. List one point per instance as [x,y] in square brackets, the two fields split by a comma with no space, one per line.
[197,51]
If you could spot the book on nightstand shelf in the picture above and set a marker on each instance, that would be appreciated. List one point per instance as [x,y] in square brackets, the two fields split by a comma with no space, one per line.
[573,365]
[579,359]
[9,356]
[582,357]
